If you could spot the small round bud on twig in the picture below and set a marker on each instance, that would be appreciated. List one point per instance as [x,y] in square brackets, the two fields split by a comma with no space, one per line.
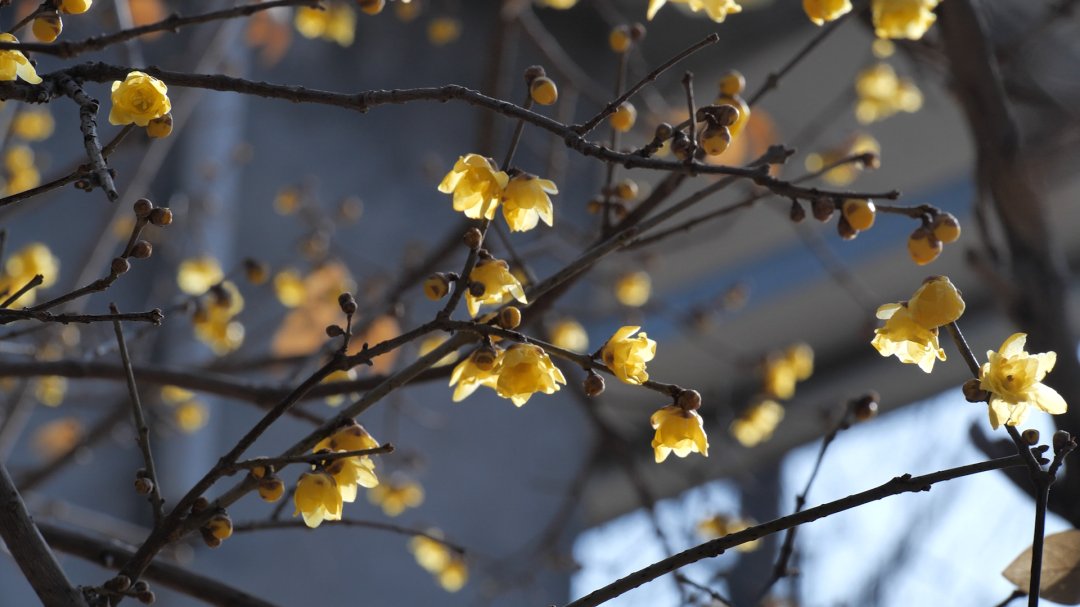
[142,250]
[865,407]
[1061,440]
[119,266]
[119,583]
[143,207]
[209,539]
[822,208]
[594,384]
[476,289]
[974,393]
[484,357]
[627,189]
[161,216]
[437,286]
[637,32]
[143,485]
[271,488]
[542,90]
[473,238]
[797,213]
[146,598]
[619,39]
[1030,436]
[334,331]
[347,303]
[844,229]
[688,400]
[533,72]
[510,317]
[220,525]
[663,131]
[140,586]
[371,7]
[200,504]
[255,271]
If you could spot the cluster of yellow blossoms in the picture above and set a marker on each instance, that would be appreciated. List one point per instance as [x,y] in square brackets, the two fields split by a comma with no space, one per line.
[189,413]
[448,566]
[320,492]
[1011,377]
[515,373]
[892,18]
[142,100]
[881,93]
[14,64]
[215,318]
[21,170]
[21,267]
[717,10]
[478,187]
[780,372]
[396,495]
[334,23]
[860,143]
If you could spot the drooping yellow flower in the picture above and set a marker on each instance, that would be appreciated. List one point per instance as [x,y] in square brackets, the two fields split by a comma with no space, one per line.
[396,495]
[317,498]
[881,93]
[499,285]
[721,524]
[524,370]
[716,9]
[21,267]
[823,11]
[1014,380]
[906,339]
[431,554]
[349,472]
[757,424]
[679,431]
[477,185]
[33,124]
[525,201]
[633,289]
[13,64]
[138,99]
[783,370]
[627,357]
[475,371]
[453,576]
[195,276]
[902,18]
[568,334]
[214,320]
[911,328]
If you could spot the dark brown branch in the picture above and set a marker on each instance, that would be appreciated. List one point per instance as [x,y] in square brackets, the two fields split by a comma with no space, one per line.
[142,430]
[30,284]
[278,463]
[31,553]
[248,527]
[153,316]
[896,486]
[88,109]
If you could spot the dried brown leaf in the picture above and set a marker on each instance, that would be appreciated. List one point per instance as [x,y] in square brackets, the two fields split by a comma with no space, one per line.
[1060,580]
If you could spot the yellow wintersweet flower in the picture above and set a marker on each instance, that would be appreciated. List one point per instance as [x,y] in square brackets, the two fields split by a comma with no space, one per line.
[473,372]
[903,18]
[680,431]
[352,437]
[757,424]
[477,185]
[21,267]
[453,576]
[633,289]
[57,437]
[214,320]
[568,334]
[348,472]
[526,369]
[18,157]
[139,99]
[721,524]
[191,416]
[13,64]
[911,328]
[1014,379]
[525,201]
[499,285]
[289,288]
[395,496]
[783,370]
[317,498]
[881,93]
[196,275]
[822,11]
[443,30]
[627,357]
[716,9]
[337,23]
[430,553]
[50,390]
[33,124]
[908,340]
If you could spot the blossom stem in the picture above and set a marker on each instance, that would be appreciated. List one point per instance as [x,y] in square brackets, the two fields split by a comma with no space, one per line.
[965,350]
[1041,498]
[516,137]
[688,87]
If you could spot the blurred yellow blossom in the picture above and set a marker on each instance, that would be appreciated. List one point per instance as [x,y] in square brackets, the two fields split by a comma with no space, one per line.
[33,124]
[717,10]
[1013,378]
[443,30]
[476,184]
[57,437]
[196,275]
[13,64]
[430,553]
[348,472]
[431,342]
[784,369]
[191,416]
[497,285]
[627,357]
[633,289]
[138,99]
[881,93]
[558,4]
[214,319]
[568,334]
[317,498]
[844,174]
[289,288]
[75,7]
[524,370]
[902,18]
[679,431]
[757,424]
[396,495]
[525,201]
[335,400]
[50,390]
[822,11]
[335,23]
[453,576]
[21,267]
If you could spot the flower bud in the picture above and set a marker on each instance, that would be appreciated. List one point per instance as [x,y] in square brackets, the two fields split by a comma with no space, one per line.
[627,189]
[47,26]
[624,117]
[437,286]
[473,238]
[146,598]
[688,400]
[637,32]
[255,271]
[732,83]
[533,72]
[946,227]
[1030,436]
[334,331]
[143,485]
[822,208]
[594,384]
[119,583]
[797,213]
[715,140]
[271,488]
[664,131]
[859,212]
[347,303]
[974,393]
[161,216]
[119,266]
[371,7]
[220,526]
[142,250]
[143,207]
[484,357]
[510,317]
[160,127]
[140,586]
[209,539]
[200,504]
[543,91]
[866,407]
[844,229]
[1061,440]
[619,40]
[923,246]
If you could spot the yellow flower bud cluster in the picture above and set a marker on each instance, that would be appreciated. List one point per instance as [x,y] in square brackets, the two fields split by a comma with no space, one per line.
[478,187]
[928,240]
[320,493]
[446,564]
[756,424]
[782,370]
[881,93]
[336,23]
[908,19]
[189,413]
[821,12]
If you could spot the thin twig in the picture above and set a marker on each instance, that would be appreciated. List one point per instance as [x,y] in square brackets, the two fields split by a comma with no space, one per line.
[88,109]
[142,430]
[30,284]
[278,463]
[151,316]
[247,527]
